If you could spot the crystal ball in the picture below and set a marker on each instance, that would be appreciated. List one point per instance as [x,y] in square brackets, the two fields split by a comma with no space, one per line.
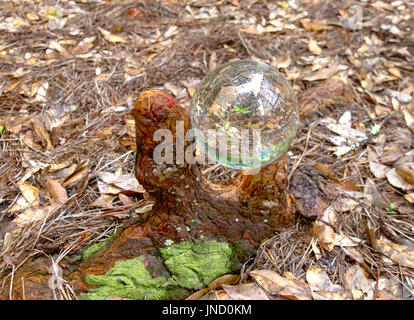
[244,114]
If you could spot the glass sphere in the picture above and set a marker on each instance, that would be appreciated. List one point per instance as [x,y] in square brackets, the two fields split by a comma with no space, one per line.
[245,114]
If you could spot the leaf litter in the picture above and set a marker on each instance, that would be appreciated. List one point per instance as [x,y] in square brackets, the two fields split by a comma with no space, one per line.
[69,74]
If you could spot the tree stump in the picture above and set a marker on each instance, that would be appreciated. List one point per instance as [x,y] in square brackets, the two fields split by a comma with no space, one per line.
[206,225]
[189,207]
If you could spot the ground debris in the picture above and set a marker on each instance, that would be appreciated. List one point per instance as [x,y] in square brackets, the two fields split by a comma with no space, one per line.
[69,72]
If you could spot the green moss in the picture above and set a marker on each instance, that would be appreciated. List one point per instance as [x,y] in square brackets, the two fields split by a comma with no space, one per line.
[192,265]
[130,279]
[95,248]
[195,265]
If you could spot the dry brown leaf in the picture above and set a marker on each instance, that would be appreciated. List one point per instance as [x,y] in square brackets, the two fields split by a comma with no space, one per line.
[126,182]
[56,190]
[30,193]
[406,173]
[41,93]
[395,179]
[391,154]
[62,171]
[20,204]
[323,230]
[275,284]
[358,283]
[328,92]
[104,200]
[345,204]
[191,91]
[372,195]
[315,249]
[409,119]
[395,72]
[126,201]
[61,49]
[314,25]
[313,47]
[33,214]
[216,295]
[42,134]
[400,254]
[378,170]
[325,73]
[84,46]
[409,197]
[245,291]
[111,37]
[198,294]
[326,170]
[77,176]
[321,286]
[225,279]
[354,254]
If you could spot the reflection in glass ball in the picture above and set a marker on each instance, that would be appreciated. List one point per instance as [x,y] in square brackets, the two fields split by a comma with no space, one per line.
[246,114]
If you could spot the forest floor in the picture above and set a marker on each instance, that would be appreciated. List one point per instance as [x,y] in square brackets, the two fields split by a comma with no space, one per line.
[69,74]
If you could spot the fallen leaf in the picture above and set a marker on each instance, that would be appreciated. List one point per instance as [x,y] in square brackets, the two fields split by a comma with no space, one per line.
[402,97]
[372,195]
[409,119]
[41,94]
[345,204]
[126,201]
[409,197]
[407,174]
[84,46]
[58,47]
[358,283]
[245,291]
[325,73]
[56,190]
[75,177]
[327,171]
[378,170]
[275,284]
[198,295]
[33,214]
[354,254]
[30,193]
[314,25]
[323,230]
[400,254]
[391,154]
[103,201]
[20,204]
[315,249]
[126,182]
[321,286]
[225,279]
[395,179]
[42,134]
[395,72]
[111,37]
[313,47]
